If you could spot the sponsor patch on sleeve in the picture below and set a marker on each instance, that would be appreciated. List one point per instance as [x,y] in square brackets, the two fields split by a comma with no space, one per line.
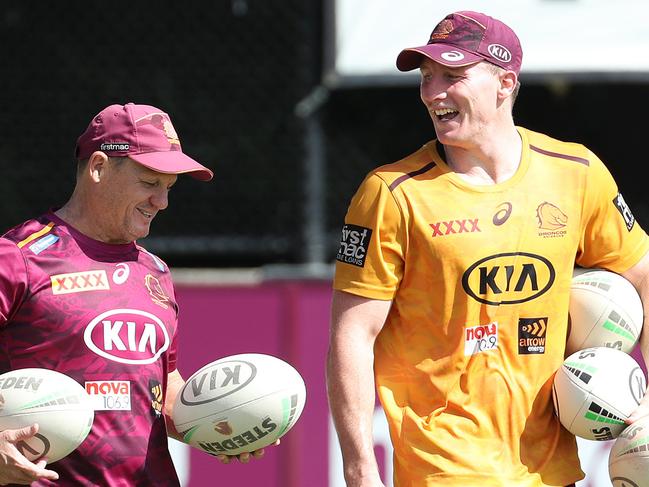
[45,242]
[354,243]
[624,210]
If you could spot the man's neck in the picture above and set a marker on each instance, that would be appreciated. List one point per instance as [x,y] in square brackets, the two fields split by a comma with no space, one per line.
[487,164]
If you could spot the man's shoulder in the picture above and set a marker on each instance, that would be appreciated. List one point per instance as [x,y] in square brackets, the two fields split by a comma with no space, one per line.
[561,149]
[30,229]
[150,260]
[418,162]
[25,239]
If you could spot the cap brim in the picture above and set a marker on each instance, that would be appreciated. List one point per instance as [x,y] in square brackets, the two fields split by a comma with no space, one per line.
[411,58]
[173,162]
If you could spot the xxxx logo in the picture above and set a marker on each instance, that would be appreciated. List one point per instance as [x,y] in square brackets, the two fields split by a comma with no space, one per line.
[455,226]
[77,282]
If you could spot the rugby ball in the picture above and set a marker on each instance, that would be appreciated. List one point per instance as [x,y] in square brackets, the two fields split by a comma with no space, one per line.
[628,461]
[595,390]
[58,403]
[239,403]
[605,311]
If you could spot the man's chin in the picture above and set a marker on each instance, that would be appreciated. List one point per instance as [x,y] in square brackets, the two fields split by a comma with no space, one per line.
[141,233]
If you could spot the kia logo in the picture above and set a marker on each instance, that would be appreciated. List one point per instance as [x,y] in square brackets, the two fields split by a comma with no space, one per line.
[500,52]
[217,380]
[508,278]
[128,336]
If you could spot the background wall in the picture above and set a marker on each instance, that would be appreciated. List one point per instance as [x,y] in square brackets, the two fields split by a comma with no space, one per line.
[288,319]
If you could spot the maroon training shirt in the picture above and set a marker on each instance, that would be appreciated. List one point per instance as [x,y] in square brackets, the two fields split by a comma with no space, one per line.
[106,316]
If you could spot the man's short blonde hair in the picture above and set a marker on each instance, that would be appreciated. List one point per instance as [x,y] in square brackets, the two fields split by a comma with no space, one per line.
[497,70]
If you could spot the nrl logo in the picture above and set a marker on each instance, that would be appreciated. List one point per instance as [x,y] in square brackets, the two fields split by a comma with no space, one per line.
[223,427]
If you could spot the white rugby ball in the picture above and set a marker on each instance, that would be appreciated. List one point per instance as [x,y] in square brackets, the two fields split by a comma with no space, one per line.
[595,390]
[239,403]
[58,403]
[605,311]
[628,461]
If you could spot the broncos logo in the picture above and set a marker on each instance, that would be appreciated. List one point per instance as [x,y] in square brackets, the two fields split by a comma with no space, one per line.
[443,29]
[158,295]
[550,217]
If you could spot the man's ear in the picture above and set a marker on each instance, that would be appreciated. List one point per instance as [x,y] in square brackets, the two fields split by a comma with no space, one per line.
[97,164]
[508,82]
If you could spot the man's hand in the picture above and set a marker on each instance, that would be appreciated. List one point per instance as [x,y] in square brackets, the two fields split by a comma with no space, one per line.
[641,411]
[244,457]
[14,467]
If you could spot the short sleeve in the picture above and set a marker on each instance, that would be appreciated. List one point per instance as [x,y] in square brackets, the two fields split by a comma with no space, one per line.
[612,238]
[370,259]
[172,353]
[13,280]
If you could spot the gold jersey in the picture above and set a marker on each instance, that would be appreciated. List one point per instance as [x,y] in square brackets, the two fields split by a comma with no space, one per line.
[480,278]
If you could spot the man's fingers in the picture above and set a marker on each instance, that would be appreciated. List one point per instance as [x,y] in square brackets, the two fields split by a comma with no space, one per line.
[28,476]
[258,453]
[245,457]
[25,472]
[224,459]
[31,473]
[13,436]
[15,467]
[43,473]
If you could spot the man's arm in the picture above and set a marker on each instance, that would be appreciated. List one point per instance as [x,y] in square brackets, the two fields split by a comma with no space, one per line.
[14,467]
[638,275]
[355,323]
[175,382]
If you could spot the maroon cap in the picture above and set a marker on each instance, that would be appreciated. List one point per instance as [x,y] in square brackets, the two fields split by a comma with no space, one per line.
[142,133]
[465,38]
